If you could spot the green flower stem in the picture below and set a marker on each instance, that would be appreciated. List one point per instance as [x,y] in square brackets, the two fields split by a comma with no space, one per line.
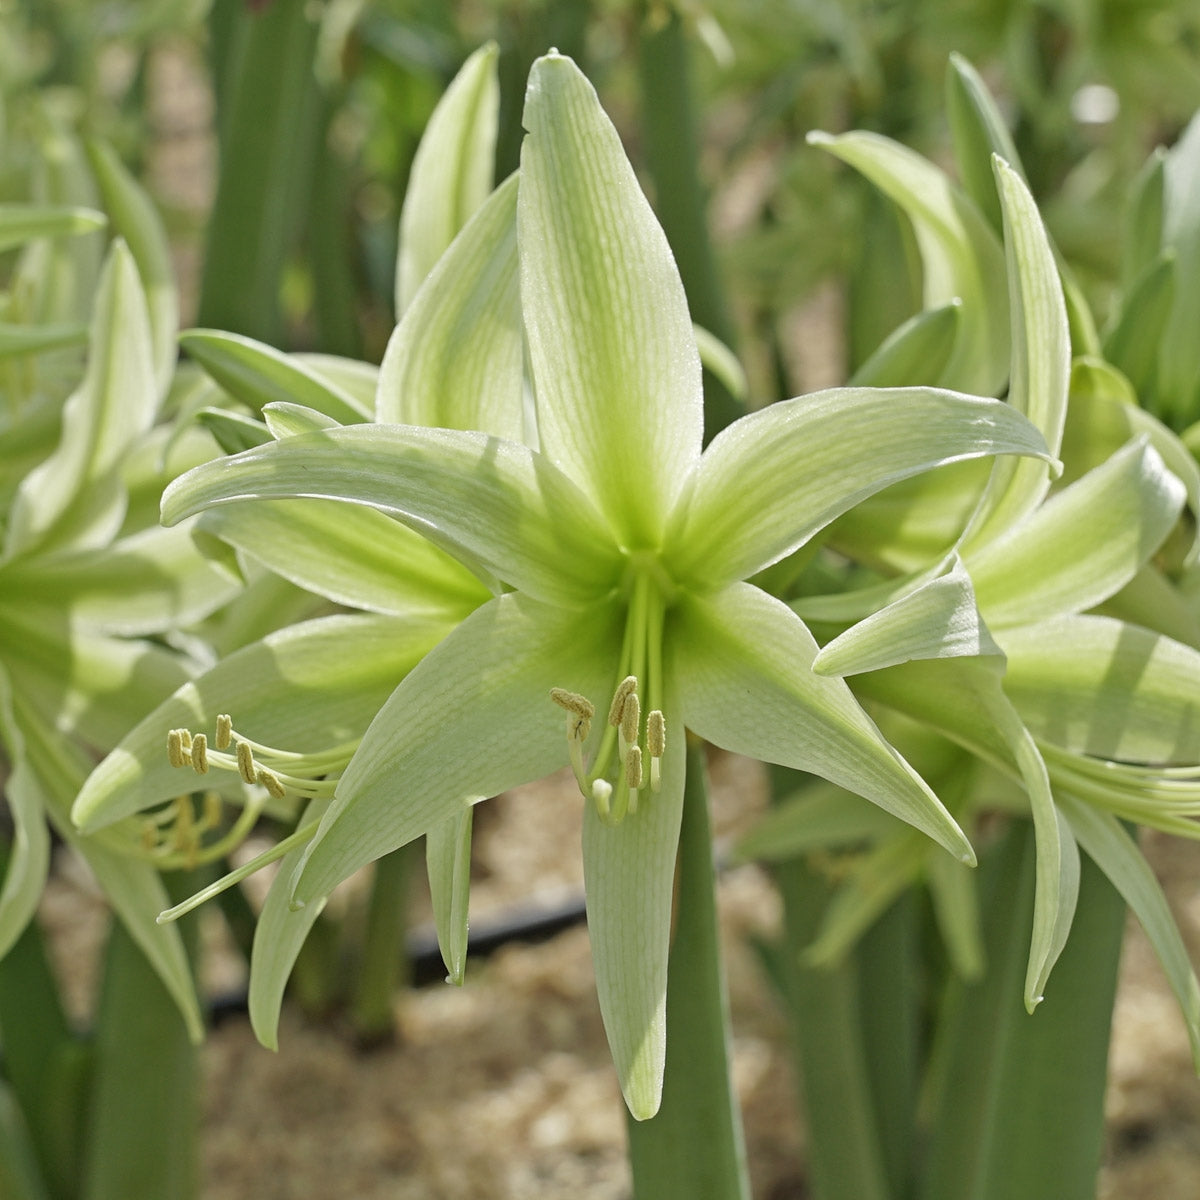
[672,150]
[143,1131]
[693,1149]
[1016,1102]
[846,1157]
[380,971]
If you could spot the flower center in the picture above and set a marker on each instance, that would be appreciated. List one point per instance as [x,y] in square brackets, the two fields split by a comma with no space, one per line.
[631,742]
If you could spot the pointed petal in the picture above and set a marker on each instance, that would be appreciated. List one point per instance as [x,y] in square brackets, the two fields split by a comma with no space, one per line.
[308,687]
[936,620]
[611,347]
[352,555]
[21,223]
[473,719]
[1041,358]
[768,482]
[1083,544]
[257,374]
[1094,685]
[496,506]
[457,359]
[451,171]
[448,864]
[959,252]
[743,662]
[1117,855]
[629,872]
[115,404]
[279,935]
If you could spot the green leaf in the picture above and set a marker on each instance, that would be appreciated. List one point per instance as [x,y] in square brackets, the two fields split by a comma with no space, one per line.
[451,171]
[474,718]
[1041,359]
[496,506]
[613,357]
[721,362]
[349,554]
[257,374]
[629,872]
[21,223]
[960,253]
[769,482]
[308,687]
[743,664]
[33,339]
[1117,855]
[1179,358]
[1142,229]
[456,360]
[448,863]
[915,352]
[1083,544]
[1134,342]
[72,498]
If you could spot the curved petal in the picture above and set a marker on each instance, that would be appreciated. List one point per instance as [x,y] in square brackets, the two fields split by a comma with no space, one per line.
[308,687]
[1094,685]
[496,506]
[457,359]
[769,481]
[448,865]
[629,872]
[613,356]
[743,665]
[352,555]
[473,719]
[1085,543]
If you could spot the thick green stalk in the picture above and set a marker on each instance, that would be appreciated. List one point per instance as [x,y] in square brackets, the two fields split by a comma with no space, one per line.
[143,1132]
[379,973]
[694,1149]
[672,152]
[1016,1107]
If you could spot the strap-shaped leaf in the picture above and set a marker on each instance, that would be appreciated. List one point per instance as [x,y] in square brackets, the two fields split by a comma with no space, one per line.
[448,864]
[496,506]
[1179,360]
[456,360]
[767,483]
[959,251]
[451,171]
[613,357]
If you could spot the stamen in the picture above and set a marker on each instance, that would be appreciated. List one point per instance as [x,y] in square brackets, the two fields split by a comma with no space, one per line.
[573,702]
[270,781]
[200,754]
[247,767]
[175,755]
[625,688]
[224,731]
[631,719]
[656,746]
[633,774]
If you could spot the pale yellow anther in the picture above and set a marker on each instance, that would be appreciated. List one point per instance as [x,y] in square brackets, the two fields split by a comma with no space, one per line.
[631,716]
[271,782]
[656,733]
[175,755]
[633,769]
[200,754]
[224,731]
[573,702]
[247,767]
[625,688]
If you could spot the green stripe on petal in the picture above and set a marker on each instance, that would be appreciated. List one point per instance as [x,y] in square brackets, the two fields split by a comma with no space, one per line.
[613,355]
[473,719]
[629,872]
[1085,543]
[306,688]
[349,554]
[743,664]
[777,476]
[448,865]
[499,508]
[1094,685]
[456,360]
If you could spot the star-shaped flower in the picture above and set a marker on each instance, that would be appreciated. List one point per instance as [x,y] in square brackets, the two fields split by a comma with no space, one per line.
[618,554]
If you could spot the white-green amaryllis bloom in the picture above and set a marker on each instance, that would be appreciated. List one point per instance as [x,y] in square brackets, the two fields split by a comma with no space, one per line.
[618,555]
